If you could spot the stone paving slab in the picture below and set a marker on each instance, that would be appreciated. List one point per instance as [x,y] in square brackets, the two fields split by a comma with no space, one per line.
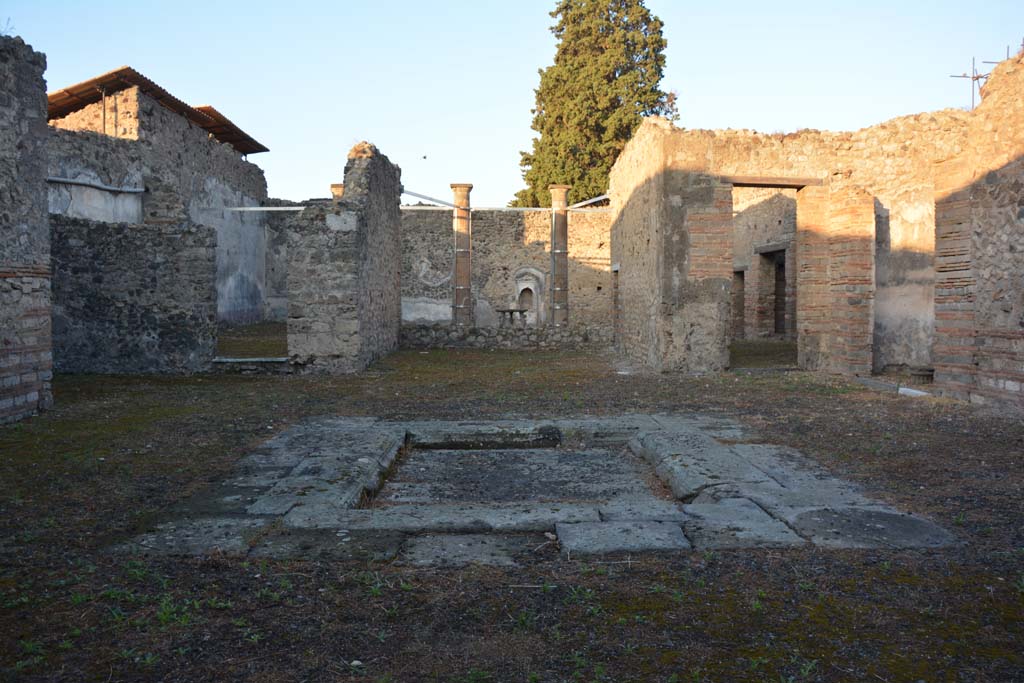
[457,550]
[642,510]
[600,538]
[736,523]
[587,476]
[295,490]
[782,500]
[430,434]
[468,518]
[870,528]
[690,462]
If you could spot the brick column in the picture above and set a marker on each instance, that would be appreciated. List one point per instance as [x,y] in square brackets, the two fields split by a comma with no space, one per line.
[462,298]
[955,348]
[851,235]
[812,254]
[559,254]
[25,302]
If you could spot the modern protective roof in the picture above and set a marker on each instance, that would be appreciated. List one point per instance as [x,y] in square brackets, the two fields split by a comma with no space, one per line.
[68,100]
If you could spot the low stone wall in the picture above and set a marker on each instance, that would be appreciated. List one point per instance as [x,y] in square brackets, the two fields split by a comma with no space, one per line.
[442,336]
[344,270]
[133,298]
[25,356]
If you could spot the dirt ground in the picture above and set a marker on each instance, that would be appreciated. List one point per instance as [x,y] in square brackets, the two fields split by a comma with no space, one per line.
[259,340]
[762,353]
[116,451]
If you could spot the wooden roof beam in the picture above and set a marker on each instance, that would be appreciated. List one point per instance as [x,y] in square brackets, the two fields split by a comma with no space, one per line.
[771,181]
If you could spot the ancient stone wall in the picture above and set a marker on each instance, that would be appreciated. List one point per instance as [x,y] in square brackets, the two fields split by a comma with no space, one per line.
[526,337]
[894,162]
[93,158]
[637,191]
[133,298]
[344,270]
[428,261]
[187,175]
[979,304]
[997,255]
[851,279]
[275,291]
[511,253]
[116,116]
[25,342]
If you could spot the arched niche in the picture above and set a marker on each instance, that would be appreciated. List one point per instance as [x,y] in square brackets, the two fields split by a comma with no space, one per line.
[530,290]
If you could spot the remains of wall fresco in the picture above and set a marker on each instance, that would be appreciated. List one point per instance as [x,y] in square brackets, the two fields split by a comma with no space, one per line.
[344,270]
[133,298]
[25,343]
[187,174]
[511,252]
[99,159]
[428,261]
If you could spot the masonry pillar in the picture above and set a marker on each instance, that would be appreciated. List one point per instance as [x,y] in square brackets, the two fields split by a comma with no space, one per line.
[813,297]
[851,272]
[26,355]
[462,299]
[559,254]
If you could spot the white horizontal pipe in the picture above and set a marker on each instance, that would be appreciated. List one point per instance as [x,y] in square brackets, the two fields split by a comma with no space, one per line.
[589,201]
[252,208]
[429,199]
[509,208]
[96,186]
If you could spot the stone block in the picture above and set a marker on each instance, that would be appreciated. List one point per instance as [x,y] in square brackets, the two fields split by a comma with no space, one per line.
[600,538]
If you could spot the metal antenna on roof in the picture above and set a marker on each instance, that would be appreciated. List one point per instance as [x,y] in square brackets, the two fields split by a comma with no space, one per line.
[979,79]
[976,79]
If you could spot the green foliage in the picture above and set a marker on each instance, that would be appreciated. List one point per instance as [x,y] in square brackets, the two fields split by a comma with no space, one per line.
[605,79]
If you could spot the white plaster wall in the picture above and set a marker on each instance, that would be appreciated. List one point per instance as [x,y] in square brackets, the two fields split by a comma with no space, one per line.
[241,250]
[426,310]
[79,201]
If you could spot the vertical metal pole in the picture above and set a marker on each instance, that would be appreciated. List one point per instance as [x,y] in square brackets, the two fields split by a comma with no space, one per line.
[462,296]
[974,81]
[559,254]
[103,96]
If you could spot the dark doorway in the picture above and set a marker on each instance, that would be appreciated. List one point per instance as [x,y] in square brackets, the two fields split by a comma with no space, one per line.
[738,303]
[780,292]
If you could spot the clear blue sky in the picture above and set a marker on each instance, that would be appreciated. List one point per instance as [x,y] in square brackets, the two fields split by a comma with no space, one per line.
[445,89]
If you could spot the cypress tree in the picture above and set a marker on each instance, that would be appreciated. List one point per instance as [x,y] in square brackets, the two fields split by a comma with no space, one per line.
[605,79]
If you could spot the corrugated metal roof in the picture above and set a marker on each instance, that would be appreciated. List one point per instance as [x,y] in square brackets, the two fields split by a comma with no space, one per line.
[67,100]
[224,130]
